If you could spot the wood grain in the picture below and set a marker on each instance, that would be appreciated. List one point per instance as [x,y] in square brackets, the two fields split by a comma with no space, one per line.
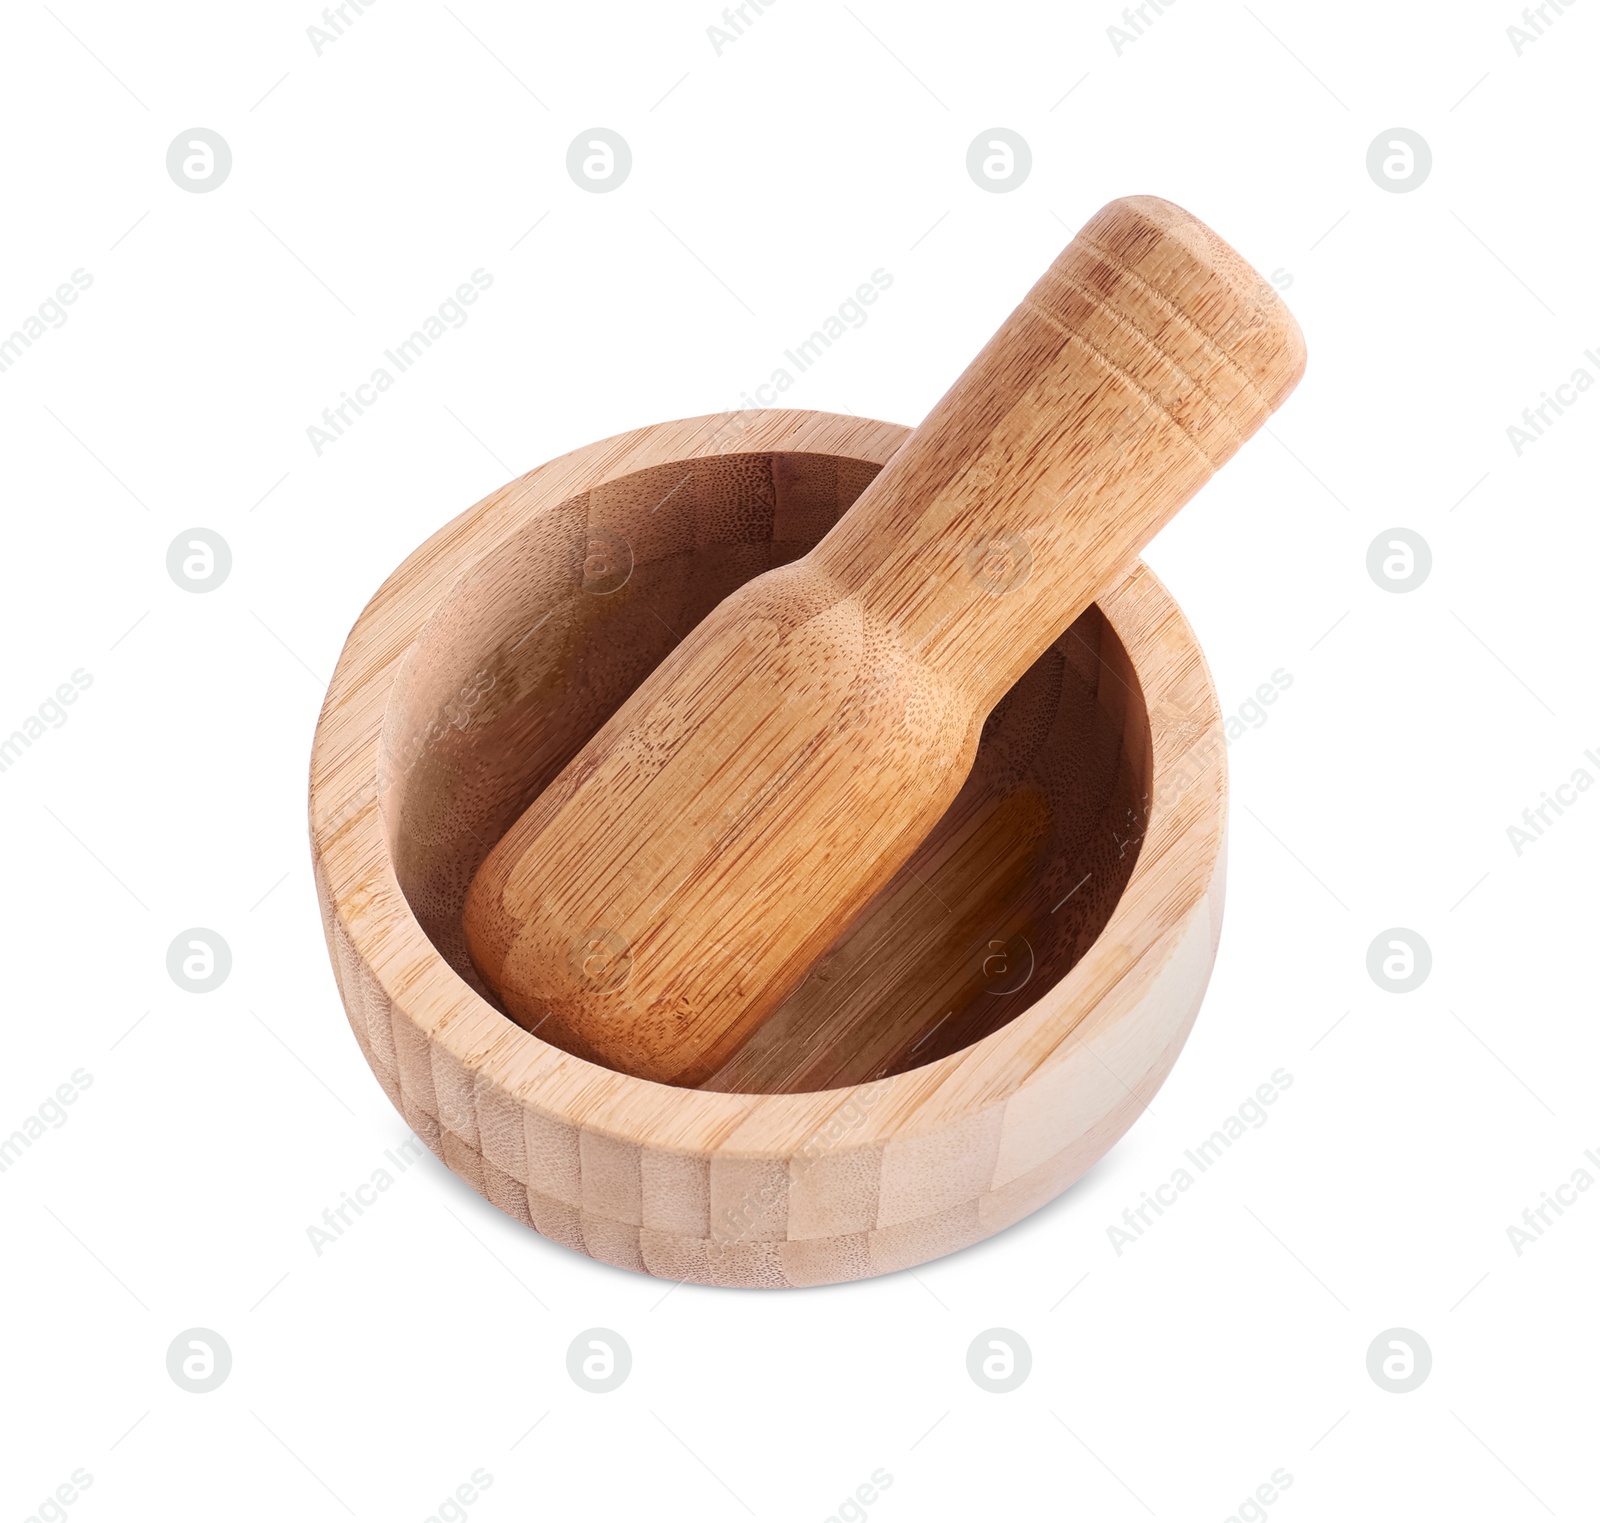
[489,657]
[675,882]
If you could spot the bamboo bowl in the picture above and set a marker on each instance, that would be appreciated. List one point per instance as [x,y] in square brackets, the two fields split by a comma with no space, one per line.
[980,1036]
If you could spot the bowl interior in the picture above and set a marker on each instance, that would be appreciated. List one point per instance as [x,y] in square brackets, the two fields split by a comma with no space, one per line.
[540,642]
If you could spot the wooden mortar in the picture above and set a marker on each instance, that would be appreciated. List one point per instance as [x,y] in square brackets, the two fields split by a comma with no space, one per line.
[987,1027]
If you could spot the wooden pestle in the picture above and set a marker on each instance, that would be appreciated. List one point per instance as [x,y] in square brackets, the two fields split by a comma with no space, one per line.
[678,878]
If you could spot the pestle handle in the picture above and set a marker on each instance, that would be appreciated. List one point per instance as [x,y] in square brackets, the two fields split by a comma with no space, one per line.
[678,878]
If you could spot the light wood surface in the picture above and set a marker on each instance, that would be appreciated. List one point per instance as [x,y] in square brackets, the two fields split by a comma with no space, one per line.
[488,660]
[676,881]
[1010,888]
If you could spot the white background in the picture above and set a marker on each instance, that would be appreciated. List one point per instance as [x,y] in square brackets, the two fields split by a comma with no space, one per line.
[768,182]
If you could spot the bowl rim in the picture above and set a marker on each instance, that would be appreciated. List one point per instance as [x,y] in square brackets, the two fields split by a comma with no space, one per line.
[473,1047]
